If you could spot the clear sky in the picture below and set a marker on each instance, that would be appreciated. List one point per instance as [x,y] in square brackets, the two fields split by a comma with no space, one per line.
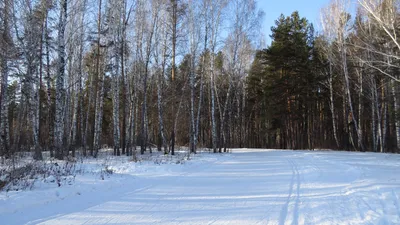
[273,9]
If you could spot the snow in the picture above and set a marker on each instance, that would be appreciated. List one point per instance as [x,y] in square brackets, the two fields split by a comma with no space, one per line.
[246,187]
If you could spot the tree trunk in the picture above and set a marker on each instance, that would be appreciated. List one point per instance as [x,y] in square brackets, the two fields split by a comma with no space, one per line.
[98,115]
[160,110]
[143,137]
[122,51]
[396,113]
[360,109]
[100,92]
[173,66]
[332,105]
[80,74]
[50,141]
[60,90]
[4,127]
[349,98]
[213,120]
[196,137]
[116,106]
[192,122]
[4,122]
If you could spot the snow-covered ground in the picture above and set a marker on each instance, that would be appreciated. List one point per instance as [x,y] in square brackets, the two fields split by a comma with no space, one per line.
[245,187]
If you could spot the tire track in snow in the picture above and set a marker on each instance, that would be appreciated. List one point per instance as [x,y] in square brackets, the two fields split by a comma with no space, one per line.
[297,200]
[396,202]
[285,208]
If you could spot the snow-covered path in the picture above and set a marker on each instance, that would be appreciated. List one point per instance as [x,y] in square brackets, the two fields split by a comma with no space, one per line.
[248,187]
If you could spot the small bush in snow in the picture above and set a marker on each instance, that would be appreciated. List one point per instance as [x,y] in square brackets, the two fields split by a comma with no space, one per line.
[24,176]
[106,171]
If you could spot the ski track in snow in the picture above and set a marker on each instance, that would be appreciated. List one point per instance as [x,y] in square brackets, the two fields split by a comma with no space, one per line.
[246,187]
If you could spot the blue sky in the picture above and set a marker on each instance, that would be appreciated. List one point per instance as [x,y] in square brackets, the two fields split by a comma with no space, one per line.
[273,9]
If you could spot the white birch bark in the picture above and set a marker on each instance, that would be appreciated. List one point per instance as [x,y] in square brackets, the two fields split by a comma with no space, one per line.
[100,89]
[148,48]
[98,115]
[174,24]
[335,19]
[396,112]
[115,32]
[50,141]
[360,105]
[384,117]
[4,126]
[5,52]
[215,15]
[194,38]
[160,77]
[332,103]
[60,90]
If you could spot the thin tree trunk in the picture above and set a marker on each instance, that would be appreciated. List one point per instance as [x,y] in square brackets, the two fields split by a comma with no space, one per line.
[378,117]
[332,104]
[116,107]
[100,92]
[160,110]
[131,142]
[50,141]
[145,119]
[384,117]
[373,119]
[4,127]
[360,109]
[60,90]
[196,137]
[123,81]
[143,138]
[174,34]
[349,98]
[88,108]
[75,115]
[213,120]
[38,150]
[34,111]
[396,113]
[69,104]
[80,74]
[4,122]
[192,103]
[98,116]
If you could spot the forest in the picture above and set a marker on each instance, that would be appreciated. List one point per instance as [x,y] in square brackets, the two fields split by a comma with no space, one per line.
[336,88]
[137,75]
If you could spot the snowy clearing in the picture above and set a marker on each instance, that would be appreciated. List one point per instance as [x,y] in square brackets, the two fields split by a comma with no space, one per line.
[246,187]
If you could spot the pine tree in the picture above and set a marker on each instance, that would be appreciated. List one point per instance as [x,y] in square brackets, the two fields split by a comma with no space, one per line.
[290,86]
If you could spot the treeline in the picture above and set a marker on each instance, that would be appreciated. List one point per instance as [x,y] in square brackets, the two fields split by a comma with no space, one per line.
[336,89]
[80,74]
[77,75]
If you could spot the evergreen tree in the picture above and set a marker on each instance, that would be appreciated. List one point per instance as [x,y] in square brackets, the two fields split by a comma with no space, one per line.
[290,86]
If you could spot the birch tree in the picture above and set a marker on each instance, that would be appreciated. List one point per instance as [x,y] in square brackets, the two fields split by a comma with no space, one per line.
[216,9]
[194,11]
[76,35]
[6,44]
[383,16]
[238,51]
[115,20]
[149,28]
[60,89]
[174,25]
[336,19]
[100,86]
[160,55]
